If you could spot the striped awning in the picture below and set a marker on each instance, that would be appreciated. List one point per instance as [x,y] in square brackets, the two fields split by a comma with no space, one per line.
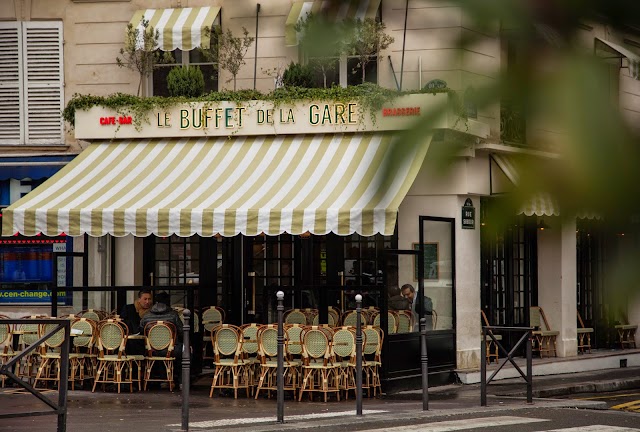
[335,11]
[342,183]
[541,204]
[181,28]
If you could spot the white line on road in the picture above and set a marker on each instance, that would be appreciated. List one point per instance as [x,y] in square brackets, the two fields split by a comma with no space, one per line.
[290,418]
[456,425]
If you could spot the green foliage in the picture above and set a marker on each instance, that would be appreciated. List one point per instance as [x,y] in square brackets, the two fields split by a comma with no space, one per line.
[139,53]
[322,41]
[368,38]
[229,51]
[297,75]
[370,97]
[185,81]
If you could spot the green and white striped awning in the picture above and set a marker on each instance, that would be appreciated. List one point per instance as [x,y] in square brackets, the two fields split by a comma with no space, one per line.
[341,183]
[541,204]
[181,28]
[335,11]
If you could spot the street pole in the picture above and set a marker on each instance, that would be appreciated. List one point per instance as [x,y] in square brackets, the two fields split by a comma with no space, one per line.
[358,354]
[424,358]
[280,371]
[483,368]
[186,366]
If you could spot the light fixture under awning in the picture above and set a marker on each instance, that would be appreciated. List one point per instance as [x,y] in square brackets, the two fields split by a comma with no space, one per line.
[180,28]
[620,51]
[336,11]
[341,183]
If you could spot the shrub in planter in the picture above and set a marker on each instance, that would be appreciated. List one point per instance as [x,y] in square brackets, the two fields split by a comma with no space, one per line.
[298,75]
[185,81]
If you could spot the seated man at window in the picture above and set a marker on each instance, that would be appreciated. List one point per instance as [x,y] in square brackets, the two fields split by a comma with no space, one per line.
[408,292]
[132,313]
[162,311]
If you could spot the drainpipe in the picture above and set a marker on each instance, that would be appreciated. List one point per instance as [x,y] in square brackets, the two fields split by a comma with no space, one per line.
[255,62]
[404,40]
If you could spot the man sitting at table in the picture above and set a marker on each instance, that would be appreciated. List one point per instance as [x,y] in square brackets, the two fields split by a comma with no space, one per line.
[132,313]
[162,311]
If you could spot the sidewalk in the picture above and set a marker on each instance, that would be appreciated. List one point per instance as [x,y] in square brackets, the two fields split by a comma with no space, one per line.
[160,410]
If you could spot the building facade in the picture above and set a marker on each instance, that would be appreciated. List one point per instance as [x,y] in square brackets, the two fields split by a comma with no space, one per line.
[468,266]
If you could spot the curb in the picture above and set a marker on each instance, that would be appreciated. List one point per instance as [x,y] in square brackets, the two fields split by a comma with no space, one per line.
[594,387]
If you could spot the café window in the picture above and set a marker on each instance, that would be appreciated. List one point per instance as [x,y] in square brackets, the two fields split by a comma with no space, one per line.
[179,58]
[177,261]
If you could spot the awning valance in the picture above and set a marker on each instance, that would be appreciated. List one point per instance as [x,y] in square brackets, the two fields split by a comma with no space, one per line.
[342,183]
[181,28]
[346,9]
[540,204]
[633,58]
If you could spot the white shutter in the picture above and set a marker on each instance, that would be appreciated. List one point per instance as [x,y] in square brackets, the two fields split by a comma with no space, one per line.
[11,114]
[43,82]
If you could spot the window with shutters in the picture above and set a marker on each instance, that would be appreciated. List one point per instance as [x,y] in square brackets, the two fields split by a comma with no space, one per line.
[31,83]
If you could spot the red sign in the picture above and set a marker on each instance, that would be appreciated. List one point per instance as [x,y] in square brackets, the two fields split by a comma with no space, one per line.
[104,121]
[397,112]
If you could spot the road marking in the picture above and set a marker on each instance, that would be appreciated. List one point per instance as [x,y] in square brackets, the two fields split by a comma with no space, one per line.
[456,425]
[595,428]
[290,418]
[609,396]
[627,405]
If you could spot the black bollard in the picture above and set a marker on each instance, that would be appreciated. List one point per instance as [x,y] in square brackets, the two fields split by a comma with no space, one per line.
[529,369]
[358,354]
[483,368]
[280,371]
[424,358]
[186,369]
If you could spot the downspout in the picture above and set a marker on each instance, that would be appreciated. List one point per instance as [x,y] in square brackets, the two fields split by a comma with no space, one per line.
[404,41]
[393,71]
[255,62]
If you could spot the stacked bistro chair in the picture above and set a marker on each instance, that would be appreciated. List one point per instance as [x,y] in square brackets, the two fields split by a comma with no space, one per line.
[114,367]
[160,341]
[405,321]
[349,318]
[250,348]
[49,369]
[83,357]
[333,317]
[392,322]
[28,335]
[94,314]
[491,346]
[268,342]
[212,317]
[231,369]
[6,346]
[319,369]
[344,350]
[371,358]
[295,316]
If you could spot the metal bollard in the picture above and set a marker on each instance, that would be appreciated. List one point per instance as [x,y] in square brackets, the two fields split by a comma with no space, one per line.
[483,368]
[186,367]
[424,359]
[529,369]
[280,371]
[358,354]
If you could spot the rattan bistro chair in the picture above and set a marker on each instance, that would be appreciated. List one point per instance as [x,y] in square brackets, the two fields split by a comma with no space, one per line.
[320,372]
[6,346]
[344,349]
[160,339]
[83,357]
[114,367]
[392,322]
[231,369]
[212,317]
[49,369]
[372,358]
[268,341]
[295,316]
[491,346]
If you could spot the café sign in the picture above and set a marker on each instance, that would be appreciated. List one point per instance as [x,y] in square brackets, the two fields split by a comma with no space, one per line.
[257,118]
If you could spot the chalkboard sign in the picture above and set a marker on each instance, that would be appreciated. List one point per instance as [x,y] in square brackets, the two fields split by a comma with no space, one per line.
[431,266]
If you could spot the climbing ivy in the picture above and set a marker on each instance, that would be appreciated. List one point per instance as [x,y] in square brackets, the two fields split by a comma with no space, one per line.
[370,97]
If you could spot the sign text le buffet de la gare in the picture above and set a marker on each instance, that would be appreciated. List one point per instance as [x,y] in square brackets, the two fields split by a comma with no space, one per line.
[254,118]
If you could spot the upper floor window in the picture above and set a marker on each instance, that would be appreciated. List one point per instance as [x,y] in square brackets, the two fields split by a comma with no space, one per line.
[31,83]
[181,58]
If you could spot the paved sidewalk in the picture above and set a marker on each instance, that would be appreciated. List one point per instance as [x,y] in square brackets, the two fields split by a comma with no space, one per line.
[160,410]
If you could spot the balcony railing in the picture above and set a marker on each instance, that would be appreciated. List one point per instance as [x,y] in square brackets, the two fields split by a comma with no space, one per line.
[513,126]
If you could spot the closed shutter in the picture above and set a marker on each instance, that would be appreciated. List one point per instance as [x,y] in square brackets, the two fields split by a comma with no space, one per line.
[11,115]
[43,82]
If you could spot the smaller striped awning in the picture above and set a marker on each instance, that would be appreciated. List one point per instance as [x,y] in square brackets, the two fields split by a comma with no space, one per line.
[180,28]
[335,11]
[541,204]
[341,183]
[620,51]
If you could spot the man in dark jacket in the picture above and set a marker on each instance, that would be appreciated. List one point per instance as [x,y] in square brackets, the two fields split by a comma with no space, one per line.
[162,311]
[424,302]
[132,313]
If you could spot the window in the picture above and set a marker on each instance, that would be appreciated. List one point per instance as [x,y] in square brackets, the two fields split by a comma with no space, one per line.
[184,58]
[177,261]
[354,71]
[31,83]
